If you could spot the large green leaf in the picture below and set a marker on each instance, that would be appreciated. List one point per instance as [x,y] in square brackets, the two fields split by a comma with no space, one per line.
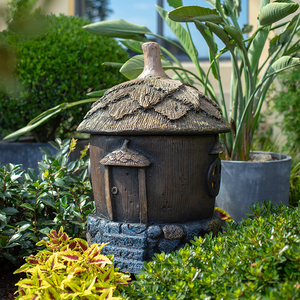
[96,93]
[182,35]
[135,66]
[28,128]
[256,48]
[195,13]
[46,116]
[54,110]
[208,36]
[283,63]
[235,34]
[85,101]
[275,11]
[220,33]
[213,48]
[120,29]
[135,46]
[175,3]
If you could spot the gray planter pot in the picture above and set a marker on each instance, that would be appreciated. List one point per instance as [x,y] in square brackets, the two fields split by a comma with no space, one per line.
[244,183]
[29,154]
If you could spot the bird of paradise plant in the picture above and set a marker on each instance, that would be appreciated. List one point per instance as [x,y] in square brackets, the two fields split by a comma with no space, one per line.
[251,75]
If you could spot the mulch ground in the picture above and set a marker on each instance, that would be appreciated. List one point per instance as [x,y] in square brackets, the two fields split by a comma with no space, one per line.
[8,281]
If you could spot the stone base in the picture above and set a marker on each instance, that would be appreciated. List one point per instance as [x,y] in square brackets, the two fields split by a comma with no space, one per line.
[133,243]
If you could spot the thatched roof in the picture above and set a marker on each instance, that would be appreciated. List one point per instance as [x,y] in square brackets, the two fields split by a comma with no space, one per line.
[154,104]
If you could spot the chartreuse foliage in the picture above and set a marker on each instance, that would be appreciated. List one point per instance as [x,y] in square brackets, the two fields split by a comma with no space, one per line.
[57,196]
[256,259]
[69,269]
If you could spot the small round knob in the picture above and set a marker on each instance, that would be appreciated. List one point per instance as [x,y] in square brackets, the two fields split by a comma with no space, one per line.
[114,190]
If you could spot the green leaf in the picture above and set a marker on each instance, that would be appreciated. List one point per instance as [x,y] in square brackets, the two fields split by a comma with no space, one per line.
[195,13]
[45,230]
[46,151]
[208,36]
[275,11]
[235,34]
[112,64]
[15,237]
[32,173]
[8,232]
[9,211]
[3,218]
[59,182]
[49,202]
[175,3]
[39,120]
[133,45]
[64,202]
[135,65]
[80,102]
[182,35]
[24,227]
[283,63]
[28,206]
[96,93]
[9,256]
[256,48]
[119,29]
[212,2]
[220,33]
[54,145]
[295,48]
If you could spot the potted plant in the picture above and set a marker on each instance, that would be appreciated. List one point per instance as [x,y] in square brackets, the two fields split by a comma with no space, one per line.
[250,78]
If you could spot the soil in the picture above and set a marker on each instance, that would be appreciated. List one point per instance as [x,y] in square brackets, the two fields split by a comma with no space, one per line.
[8,280]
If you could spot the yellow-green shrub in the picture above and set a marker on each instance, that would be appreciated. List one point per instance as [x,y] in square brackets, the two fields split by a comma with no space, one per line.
[69,269]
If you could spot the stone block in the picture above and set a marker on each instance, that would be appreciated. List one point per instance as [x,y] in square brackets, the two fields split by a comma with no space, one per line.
[92,224]
[173,232]
[98,238]
[124,253]
[151,243]
[123,240]
[191,229]
[112,227]
[128,265]
[168,246]
[154,232]
[133,229]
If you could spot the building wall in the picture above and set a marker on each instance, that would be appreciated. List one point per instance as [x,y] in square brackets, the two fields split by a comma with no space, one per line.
[66,7]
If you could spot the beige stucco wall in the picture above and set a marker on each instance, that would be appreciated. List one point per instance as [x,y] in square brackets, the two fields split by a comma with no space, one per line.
[56,7]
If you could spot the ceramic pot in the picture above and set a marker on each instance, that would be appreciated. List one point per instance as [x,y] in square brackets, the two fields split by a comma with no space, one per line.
[247,182]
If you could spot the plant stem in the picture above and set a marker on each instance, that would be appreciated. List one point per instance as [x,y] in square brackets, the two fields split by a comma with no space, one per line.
[35,219]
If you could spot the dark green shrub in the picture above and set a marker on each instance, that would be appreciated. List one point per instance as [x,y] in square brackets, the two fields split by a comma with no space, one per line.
[70,269]
[61,64]
[57,196]
[257,259]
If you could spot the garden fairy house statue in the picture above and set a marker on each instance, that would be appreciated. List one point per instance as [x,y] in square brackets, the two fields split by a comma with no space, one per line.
[154,165]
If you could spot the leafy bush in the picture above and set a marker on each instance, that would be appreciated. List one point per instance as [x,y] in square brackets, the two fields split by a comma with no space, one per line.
[287,103]
[69,269]
[256,259]
[60,64]
[57,196]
